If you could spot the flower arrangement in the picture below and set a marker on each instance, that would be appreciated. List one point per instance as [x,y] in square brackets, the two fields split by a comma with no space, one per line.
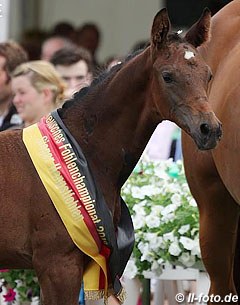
[165,218]
[20,284]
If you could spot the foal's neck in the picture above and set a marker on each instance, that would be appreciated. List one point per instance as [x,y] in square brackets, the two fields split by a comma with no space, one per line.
[116,122]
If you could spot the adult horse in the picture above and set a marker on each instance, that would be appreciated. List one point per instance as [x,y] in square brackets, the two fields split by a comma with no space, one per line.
[213,176]
[112,121]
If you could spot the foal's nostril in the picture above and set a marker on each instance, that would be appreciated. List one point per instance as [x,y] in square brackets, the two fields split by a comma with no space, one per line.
[219,131]
[205,129]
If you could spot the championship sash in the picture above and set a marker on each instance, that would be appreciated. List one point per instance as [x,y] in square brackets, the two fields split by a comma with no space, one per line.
[65,173]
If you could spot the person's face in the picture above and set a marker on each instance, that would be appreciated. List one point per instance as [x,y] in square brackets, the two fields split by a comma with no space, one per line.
[50,47]
[5,83]
[76,76]
[27,100]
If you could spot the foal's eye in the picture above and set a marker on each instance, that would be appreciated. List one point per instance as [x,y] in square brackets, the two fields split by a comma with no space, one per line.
[167,77]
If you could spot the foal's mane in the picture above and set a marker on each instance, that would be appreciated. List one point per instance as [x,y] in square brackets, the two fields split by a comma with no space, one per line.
[106,75]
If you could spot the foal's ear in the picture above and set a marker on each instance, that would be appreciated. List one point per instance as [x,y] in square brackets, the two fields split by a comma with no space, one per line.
[200,31]
[160,28]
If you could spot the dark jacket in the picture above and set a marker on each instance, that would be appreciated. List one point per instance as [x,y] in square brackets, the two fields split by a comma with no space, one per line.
[10,120]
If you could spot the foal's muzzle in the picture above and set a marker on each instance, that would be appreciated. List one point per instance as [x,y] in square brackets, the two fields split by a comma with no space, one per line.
[208,135]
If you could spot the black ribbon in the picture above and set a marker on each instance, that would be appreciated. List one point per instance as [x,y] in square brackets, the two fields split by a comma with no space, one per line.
[120,241]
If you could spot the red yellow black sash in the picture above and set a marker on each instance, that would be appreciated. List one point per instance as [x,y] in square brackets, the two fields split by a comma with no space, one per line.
[66,176]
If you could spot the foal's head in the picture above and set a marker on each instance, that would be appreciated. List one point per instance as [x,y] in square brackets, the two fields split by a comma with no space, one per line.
[181,76]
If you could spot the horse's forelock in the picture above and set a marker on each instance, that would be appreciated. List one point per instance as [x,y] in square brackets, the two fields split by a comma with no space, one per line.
[175,38]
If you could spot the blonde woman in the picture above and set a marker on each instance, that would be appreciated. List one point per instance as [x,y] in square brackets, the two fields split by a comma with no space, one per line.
[38,89]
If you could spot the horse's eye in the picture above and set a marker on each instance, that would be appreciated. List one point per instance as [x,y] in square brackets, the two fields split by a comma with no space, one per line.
[167,77]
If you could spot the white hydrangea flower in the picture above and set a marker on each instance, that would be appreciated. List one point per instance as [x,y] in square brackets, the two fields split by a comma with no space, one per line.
[138,236]
[139,221]
[176,199]
[153,221]
[184,229]
[142,246]
[187,242]
[168,217]
[139,208]
[169,236]
[156,209]
[185,188]
[174,249]
[187,260]
[144,249]
[196,249]
[194,231]
[168,209]
[160,173]
[192,202]
[173,188]
[150,236]
[137,192]
[164,245]
[131,269]
[155,265]
[167,266]
[160,261]
[150,190]
[156,268]
[155,243]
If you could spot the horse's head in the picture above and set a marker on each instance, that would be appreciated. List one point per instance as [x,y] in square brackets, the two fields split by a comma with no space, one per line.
[182,77]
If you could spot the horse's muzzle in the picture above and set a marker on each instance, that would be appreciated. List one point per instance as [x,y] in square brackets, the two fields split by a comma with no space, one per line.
[208,136]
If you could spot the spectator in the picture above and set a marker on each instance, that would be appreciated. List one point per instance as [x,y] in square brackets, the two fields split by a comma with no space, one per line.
[75,67]
[53,44]
[11,55]
[176,145]
[88,36]
[159,145]
[32,41]
[38,89]
[64,29]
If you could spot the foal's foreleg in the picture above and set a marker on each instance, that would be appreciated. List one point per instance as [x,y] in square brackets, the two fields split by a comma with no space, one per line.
[60,280]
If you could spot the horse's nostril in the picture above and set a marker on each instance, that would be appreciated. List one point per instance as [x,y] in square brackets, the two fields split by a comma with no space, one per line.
[205,129]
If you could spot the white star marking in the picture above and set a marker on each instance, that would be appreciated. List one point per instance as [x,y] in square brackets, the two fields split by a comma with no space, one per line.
[188,54]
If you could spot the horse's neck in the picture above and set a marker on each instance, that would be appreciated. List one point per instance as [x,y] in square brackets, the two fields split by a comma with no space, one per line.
[116,124]
[224,35]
